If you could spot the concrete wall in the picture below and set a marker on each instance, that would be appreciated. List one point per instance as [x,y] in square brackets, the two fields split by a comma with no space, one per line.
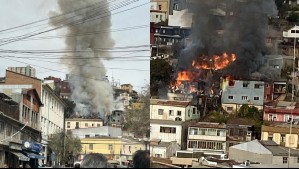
[158,150]
[241,156]
[157,17]
[237,91]
[186,112]
[166,137]
[82,124]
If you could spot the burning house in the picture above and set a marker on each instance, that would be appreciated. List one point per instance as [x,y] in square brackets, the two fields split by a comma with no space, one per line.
[224,45]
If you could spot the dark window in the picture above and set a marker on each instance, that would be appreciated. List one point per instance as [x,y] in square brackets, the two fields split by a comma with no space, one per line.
[179,113]
[87,136]
[256,98]
[256,86]
[68,124]
[160,111]
[230,97]
[284,160]
[77,125]
[167,130]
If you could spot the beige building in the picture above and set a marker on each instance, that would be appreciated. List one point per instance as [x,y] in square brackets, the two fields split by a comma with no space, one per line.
[127,87]
[77,123]
[161,5]
[280,134]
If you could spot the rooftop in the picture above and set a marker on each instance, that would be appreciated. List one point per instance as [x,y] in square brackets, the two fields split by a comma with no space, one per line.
[207,125]
[170,103]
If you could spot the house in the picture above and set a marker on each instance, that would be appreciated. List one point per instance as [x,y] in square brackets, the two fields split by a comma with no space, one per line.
[168,131]
[163,149]
[79,123]
[263,152]
[51,113]
[129,147]
[97,131]
[157,16]
[108,146]
[12,148]
[205,136]
[161,5]
[239,130]
[279,132]
[177,5]
[173,110]
[29,103]
[235,93]
[127,87]
[281,111]
[273,90]
[116,118]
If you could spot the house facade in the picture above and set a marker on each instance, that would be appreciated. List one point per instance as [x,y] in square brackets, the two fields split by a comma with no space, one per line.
[280,134]
[168,131]
[236,93]
[239,130]
[206,137]
[163,149]
[173,110]
[281,111]
[263,152]
[81,123]
[97,131]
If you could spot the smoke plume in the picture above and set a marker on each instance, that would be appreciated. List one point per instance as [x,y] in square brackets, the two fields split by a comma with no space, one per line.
[90,91]
[233,26]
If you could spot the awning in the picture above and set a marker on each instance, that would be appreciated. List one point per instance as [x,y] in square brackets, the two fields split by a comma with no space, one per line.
[33,155]
[21,156]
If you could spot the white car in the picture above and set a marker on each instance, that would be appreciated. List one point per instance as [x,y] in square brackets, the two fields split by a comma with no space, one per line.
[77,164]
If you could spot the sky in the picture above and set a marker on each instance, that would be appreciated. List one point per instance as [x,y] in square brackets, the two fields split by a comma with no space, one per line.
[18,12]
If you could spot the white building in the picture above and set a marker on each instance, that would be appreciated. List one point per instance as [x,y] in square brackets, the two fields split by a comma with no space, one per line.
[173,110]
[236,93]
[167,131]
[164,149]
[52,116]
[157,16]
[207,136]
[97,131]
[181,18]
[28,70]
[291,33]
[79,123]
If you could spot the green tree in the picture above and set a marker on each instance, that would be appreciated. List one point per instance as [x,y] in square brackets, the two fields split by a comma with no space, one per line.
[69,110]
[72,145]
[160,75]
[137,121]
[293,17]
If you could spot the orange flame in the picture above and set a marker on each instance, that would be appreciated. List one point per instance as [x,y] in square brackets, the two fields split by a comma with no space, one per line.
[216,62]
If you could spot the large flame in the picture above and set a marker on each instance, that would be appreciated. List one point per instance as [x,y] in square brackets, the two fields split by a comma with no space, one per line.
[215,62]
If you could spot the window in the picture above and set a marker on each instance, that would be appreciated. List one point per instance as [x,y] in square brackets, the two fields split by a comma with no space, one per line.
[167,129]
[189,113]
[297,159]
[86,124]
[272,117]
[245,85]
[90,146]
[157,16]
[192,144]
[99,124]
[171,112]
[160,111]
[179,113]
[68,124]
[77,125]
[282,138]
[256,98]
[230,97]
[256,86]
[92,124]
[161,17]
[193,131]
[284,160]
[176,6]
[229,109]
[160,7]
[194,110]
[267,85]
[287,118]
[110,147]
[164,31]
[244,97]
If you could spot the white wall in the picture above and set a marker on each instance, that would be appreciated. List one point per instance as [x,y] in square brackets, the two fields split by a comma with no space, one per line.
[52,116]
[180,18]
[166,137]
[154,109]
[158,150]
[161,17]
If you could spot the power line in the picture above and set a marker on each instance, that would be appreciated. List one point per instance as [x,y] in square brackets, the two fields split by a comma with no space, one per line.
[49,30]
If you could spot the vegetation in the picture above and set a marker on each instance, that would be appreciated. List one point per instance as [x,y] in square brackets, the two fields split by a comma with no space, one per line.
[71,146]
[160,75]
[137,121]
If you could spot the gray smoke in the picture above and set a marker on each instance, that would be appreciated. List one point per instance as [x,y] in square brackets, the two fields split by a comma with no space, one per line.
[243,25]
[91,93]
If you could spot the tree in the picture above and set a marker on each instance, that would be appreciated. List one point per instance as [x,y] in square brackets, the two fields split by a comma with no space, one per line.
[137,121]
[72,145]
[160,75]
[69,110]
